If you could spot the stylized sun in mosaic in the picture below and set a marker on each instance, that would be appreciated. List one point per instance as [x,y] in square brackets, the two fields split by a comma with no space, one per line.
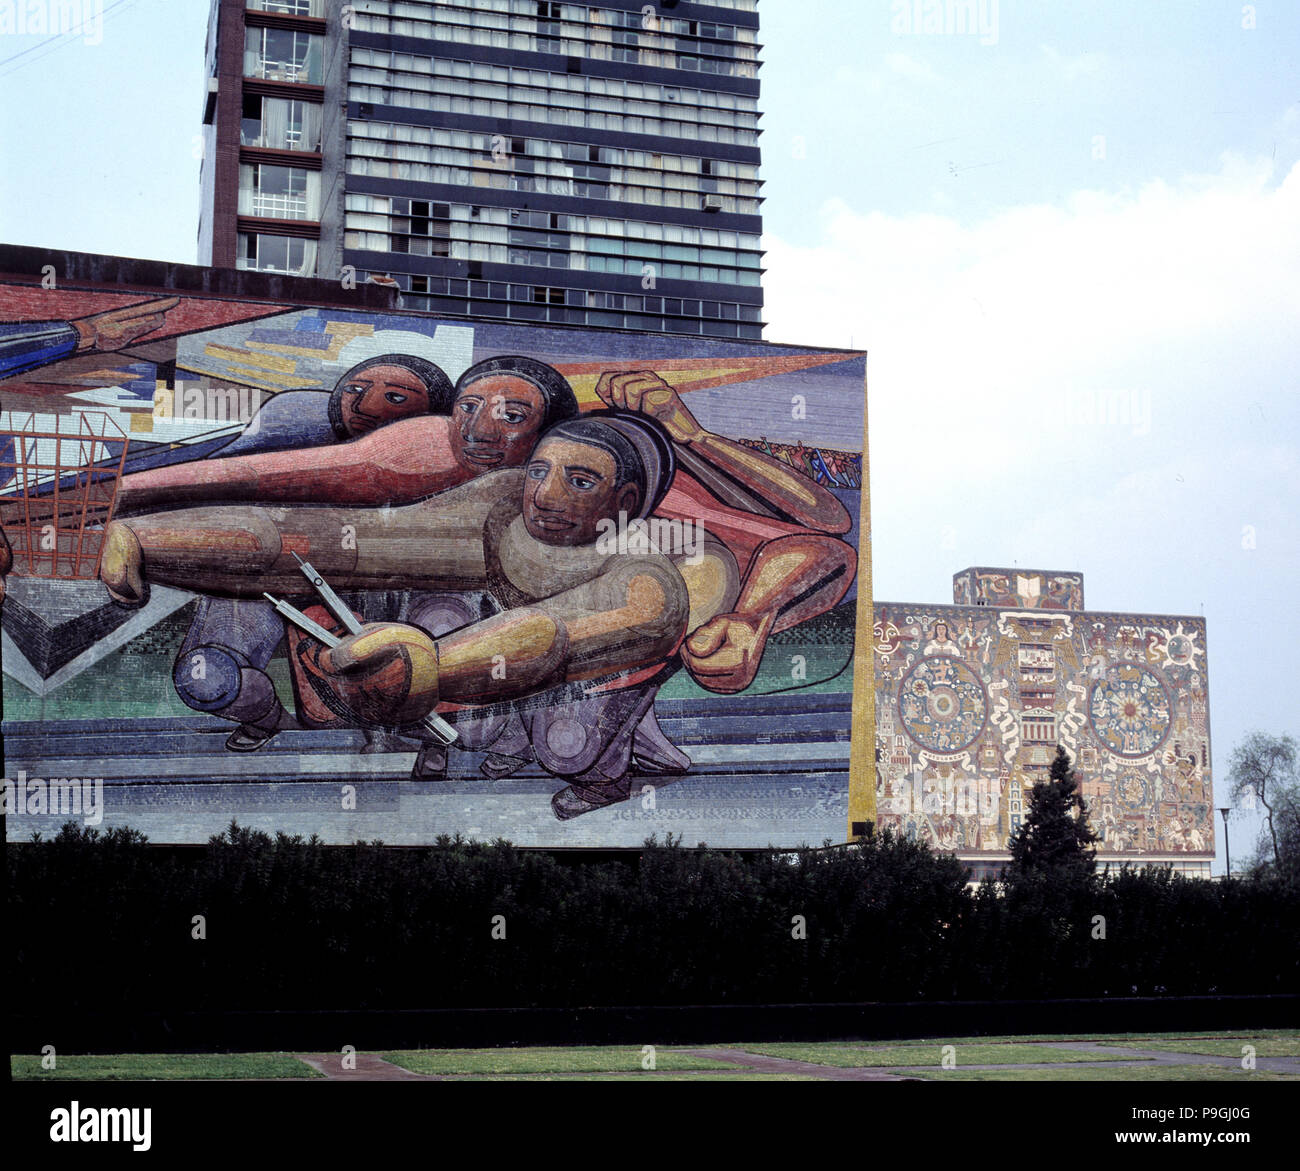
[942,705]
[1181,649]
[1129,709]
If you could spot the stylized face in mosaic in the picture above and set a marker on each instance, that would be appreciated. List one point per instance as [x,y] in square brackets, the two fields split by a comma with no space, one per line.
[570,488]
[380,395]
[495,421]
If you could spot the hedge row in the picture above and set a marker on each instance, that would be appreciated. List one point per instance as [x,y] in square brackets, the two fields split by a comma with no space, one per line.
[98,919]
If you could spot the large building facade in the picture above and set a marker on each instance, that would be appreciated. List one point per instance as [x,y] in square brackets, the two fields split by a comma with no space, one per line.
[972,700]
[541,162]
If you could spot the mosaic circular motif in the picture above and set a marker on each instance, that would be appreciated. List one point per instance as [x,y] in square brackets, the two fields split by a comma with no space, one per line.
[942,705]
[1129,710]
[1132,789]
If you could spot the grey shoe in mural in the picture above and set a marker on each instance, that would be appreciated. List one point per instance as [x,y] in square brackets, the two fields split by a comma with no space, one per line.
[430,764]
[653,752]
[579,799]
[383,742]
[247,738]
[497,765]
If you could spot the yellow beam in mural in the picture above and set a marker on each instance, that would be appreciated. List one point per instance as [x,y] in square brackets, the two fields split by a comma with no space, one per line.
[862,750]
[282,365]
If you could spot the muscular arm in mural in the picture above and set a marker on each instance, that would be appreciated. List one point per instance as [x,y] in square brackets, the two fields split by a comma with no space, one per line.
[240,551]
[400,462]
[796,498]
[27,345]
[792,579]
[579,612]
[792,575]
[629,615]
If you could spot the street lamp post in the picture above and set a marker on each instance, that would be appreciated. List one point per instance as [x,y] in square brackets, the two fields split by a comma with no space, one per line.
[1227,853]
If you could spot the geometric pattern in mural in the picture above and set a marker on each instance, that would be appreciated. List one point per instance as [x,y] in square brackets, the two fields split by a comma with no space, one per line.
[1129,711]
[972,700]
[942,705]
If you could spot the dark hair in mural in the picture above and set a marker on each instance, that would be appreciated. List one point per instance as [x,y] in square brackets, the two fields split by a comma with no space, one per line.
[561,402]
[640,448]
[441,391]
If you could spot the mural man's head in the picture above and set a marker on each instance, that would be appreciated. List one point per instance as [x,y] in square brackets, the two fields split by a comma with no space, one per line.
[502,405]
[587,470]
[386,388]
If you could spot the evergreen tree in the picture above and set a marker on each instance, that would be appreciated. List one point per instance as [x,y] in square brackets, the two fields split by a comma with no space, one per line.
[1055,838]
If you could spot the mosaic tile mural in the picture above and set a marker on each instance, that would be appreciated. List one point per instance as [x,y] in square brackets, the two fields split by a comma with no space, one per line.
[971,702]
[384,576]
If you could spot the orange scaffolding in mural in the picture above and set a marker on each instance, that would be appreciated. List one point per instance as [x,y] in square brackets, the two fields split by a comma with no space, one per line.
[59,477]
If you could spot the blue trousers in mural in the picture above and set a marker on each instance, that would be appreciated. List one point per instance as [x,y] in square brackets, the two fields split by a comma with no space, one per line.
[221,667]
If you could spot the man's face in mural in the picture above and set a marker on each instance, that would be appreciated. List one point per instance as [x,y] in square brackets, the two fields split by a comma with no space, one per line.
[571,487]
[495,421]
[379,395]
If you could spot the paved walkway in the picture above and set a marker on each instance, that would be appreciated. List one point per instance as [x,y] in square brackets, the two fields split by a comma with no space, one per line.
[369,1068]
[1163,1057]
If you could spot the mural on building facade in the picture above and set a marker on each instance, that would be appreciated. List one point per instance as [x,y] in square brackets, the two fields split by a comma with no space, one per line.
[265,545]
[1030,589]
[972,701]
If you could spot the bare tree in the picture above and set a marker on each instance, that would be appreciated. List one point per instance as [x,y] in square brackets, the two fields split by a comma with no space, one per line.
[1264,768]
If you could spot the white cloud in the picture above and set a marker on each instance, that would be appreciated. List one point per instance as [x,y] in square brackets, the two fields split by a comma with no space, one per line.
[1177,300]
[1048,296]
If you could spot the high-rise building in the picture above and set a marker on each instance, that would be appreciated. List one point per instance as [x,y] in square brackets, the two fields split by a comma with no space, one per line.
[535,161]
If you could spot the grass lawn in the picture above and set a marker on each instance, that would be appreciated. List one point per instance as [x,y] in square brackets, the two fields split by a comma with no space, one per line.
[849,1055]
[1219,1046]
[1105,1073]
[624,1062]
[594,1059]
[693,1076]
[134,1067]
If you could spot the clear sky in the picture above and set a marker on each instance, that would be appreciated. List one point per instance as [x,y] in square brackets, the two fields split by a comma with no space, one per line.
[1069,240]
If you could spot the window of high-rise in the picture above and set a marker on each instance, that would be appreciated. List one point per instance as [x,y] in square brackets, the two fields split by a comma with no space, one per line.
[584,164]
